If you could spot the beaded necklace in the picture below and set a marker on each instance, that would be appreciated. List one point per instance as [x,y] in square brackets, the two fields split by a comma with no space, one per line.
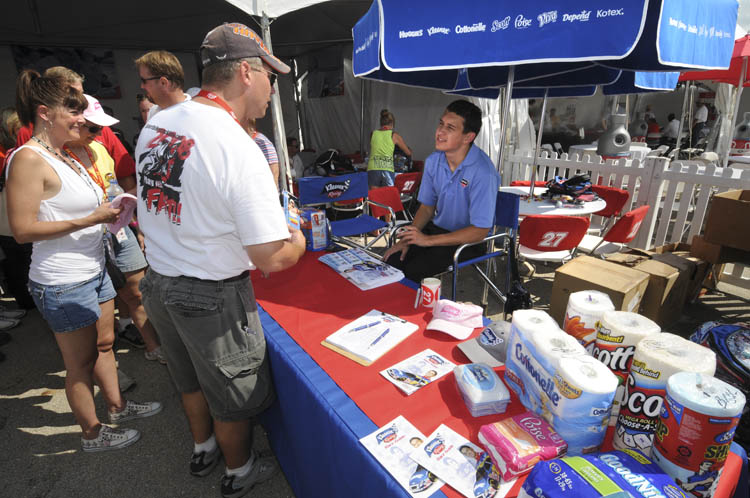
[68,160]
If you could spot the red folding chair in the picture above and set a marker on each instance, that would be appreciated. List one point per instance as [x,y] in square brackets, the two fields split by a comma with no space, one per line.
[408,186]
[621,233]
[550,238]
[385,202]
[616,199]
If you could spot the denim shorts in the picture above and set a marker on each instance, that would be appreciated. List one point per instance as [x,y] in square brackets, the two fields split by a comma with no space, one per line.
[212,338]
[70,307]
[380,178]
[128,254]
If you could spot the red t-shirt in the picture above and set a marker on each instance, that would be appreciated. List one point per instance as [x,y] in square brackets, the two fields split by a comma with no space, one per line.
[124,163]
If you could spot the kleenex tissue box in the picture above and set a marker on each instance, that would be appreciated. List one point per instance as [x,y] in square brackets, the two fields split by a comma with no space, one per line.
[483,391]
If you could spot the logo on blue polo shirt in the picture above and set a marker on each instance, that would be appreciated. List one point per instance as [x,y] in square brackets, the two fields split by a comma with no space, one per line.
[464,182]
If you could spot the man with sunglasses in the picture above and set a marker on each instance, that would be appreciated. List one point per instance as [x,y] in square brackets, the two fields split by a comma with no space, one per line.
[209,209]
[162,78]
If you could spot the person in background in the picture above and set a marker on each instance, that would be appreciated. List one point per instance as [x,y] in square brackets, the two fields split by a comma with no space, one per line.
[298,167]
[457,196]
[144,106]
[162,78]
[124,164]
[53,203]
[128,255]
[207,221]
[653,132]
[268,150]
[648,114]
[383,142]
[700,126]
[673,127]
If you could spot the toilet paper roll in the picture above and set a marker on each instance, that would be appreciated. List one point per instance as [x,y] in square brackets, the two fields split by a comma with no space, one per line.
[584,311]
[551,345]
[526,321]
[695,429]
[656,358]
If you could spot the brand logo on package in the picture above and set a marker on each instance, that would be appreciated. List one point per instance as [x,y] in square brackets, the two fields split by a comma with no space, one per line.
[435,447]
[582,16]
[498,25]
[438,30]
[477,26]
[521,22]
[334,190]
[387,435]
[547,17]
[411,34]
[610,12]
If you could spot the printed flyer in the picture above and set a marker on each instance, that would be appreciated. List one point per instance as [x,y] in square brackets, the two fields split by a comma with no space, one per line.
[417,371]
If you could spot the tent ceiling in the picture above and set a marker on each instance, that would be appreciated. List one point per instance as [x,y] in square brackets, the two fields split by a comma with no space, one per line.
[168,24]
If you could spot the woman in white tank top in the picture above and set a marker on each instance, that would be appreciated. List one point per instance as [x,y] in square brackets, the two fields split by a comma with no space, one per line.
[53,203]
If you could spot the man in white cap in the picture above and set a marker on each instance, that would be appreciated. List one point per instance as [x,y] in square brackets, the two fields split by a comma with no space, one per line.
[209,209]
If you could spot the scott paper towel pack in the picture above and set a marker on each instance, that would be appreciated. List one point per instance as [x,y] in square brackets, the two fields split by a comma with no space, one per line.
[696,427]
[656,359]
[554,377]
[583,314]
[616,474]
[616,339]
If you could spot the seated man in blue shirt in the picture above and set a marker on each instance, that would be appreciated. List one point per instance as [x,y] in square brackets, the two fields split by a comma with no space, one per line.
[457,198]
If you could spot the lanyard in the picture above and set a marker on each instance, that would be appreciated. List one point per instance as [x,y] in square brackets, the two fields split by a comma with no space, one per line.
[93,171]
[215,98]
[76,165]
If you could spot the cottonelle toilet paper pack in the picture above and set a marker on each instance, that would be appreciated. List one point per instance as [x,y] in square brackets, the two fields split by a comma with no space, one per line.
[582,316]
[616,339]
[554,378]
[656,359]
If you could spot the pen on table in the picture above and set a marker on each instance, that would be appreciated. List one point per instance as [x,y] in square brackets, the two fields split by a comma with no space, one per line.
[418,297]
[377,339]
[365,326]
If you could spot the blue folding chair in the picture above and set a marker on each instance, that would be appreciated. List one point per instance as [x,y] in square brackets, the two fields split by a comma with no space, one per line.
[328,189]
[505,228]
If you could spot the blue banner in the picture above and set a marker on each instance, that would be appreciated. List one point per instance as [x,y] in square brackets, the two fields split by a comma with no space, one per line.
[642,82]
[366,35]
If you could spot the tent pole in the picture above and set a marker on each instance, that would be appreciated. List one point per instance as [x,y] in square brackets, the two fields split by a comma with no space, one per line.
[538,145]
[506,113]
[737,97]
[297,97]
[279,134]
[362,117]
[682,114]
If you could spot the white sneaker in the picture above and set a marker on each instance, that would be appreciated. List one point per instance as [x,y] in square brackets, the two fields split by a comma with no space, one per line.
[110,438]
[154,355]
[133,410]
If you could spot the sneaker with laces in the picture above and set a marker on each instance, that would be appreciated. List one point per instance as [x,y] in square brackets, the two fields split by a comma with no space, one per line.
[133,409]
[235,486]
[110,438]
[202,463]
[131,335]
[155,355]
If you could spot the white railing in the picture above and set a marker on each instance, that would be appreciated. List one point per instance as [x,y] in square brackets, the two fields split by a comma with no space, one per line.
[678,192]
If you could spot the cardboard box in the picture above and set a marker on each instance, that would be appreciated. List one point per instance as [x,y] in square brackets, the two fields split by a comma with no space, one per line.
[728,220]
[675,277]
[624,286]
[717,253]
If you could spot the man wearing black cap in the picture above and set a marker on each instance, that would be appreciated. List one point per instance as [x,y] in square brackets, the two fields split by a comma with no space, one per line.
[209,209]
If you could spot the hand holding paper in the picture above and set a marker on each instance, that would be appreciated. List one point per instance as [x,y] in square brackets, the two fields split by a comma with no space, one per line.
[127,202]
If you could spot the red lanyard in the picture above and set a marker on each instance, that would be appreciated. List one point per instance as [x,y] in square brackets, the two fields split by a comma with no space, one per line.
[215,98]
[93,172]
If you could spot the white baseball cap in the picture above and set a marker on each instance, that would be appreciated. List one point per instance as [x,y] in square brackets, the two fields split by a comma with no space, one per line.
[456,319]
[95,114]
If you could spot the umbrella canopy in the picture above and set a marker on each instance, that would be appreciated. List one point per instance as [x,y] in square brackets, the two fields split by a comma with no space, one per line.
[731,75]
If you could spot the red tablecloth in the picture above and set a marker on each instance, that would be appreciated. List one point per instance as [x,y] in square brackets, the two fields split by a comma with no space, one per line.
[311,301]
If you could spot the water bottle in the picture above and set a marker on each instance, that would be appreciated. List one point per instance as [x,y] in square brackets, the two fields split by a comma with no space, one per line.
[615,141]
[114,188]
[741,140]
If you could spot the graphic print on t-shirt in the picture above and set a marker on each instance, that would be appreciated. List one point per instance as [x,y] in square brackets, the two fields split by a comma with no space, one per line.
[162,166]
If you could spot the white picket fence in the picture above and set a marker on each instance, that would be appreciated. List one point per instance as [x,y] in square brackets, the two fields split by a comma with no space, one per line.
[679,192]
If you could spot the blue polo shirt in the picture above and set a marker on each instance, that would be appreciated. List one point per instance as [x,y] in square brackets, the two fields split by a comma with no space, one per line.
[463,197]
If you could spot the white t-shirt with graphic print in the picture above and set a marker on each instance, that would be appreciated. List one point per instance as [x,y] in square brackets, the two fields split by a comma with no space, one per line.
[204,193]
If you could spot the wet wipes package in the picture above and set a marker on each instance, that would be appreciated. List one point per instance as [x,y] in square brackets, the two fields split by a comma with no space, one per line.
[555,378]
[517,443]
[617,474]
[483,391]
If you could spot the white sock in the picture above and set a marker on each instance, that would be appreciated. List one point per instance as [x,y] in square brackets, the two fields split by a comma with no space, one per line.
[123,322]
[208,445]
[242,470]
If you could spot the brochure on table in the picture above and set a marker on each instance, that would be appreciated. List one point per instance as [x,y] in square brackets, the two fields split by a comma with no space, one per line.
[370,336]
[462,464]
[361,269]
[391,445]
[417,371]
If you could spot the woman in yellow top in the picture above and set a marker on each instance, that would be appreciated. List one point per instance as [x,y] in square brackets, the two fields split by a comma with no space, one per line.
[128,255]
[380,170]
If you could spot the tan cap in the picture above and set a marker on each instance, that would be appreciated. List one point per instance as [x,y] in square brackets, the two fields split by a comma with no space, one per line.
[232,41]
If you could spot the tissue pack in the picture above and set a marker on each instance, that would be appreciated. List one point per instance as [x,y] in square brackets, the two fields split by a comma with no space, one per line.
[483,391]
[619,474]
[519,442]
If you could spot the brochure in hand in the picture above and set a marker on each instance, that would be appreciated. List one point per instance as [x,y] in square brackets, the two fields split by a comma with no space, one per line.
[370,336]
[391,445]
[461,463]
[361,269]
[416,372]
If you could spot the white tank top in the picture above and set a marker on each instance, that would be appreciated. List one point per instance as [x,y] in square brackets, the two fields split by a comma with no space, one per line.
[78,256]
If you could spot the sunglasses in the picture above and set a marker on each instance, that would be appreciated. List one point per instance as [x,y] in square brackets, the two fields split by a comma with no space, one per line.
[271,75]
[94,128]
[144,80]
